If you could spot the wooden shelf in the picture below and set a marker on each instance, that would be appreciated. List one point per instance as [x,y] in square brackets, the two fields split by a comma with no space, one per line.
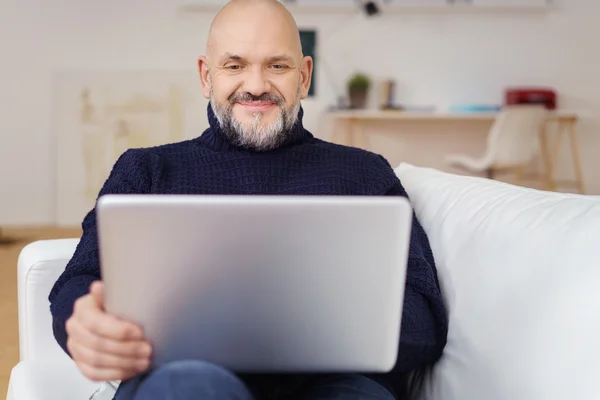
[383,115]
[209,7]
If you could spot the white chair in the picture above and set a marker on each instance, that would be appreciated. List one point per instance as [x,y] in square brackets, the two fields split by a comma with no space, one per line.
[512,143]
[44,370]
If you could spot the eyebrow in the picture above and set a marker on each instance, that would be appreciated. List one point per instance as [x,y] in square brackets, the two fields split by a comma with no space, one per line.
[234,57]
[230,57]
[280,59]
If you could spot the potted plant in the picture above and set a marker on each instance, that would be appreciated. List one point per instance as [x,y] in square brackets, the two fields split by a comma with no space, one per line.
[358,90]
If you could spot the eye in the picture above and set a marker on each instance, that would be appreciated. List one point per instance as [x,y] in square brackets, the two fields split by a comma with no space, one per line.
[279,67]
[233,67]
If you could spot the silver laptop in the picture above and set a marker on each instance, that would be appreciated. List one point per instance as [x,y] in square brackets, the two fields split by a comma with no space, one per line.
[260,283]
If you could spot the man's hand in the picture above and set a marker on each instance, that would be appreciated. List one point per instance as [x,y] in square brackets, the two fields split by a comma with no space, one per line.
[104,347]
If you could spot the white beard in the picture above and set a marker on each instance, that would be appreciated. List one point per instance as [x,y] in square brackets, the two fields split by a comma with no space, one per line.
[255,135]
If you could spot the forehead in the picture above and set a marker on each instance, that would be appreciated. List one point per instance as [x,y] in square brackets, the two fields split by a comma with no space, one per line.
[253,40]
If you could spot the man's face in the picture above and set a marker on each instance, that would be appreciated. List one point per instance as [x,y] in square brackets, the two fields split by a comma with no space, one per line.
[255,78]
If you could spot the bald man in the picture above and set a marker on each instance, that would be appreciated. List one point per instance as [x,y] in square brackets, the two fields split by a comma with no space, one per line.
[255,75]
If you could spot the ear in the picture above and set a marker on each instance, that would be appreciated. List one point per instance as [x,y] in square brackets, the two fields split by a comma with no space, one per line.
[204,79]
[306,73]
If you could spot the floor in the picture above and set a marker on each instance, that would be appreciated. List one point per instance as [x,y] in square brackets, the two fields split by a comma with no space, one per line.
[9,334]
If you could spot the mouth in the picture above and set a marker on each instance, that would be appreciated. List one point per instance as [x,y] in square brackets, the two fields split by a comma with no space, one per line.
[255,106]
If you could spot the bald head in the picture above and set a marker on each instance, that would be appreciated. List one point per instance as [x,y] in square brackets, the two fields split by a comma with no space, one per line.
[248,20]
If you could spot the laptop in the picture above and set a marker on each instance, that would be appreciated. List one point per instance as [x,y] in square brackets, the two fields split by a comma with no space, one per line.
[259,284]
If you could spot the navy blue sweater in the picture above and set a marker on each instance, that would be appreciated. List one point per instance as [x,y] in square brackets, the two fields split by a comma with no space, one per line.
[303,165]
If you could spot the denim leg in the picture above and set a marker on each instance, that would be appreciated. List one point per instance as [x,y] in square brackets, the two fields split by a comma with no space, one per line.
[345,387]
[183,380]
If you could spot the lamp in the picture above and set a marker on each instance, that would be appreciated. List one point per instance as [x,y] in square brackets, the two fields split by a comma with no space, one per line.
[371,8]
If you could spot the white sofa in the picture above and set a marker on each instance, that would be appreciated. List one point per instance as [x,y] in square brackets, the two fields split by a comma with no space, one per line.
[519,271]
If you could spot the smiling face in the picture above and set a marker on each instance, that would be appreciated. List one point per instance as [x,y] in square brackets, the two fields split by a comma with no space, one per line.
[254,72]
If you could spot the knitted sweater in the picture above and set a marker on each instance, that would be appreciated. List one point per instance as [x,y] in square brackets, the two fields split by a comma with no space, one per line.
[303,165]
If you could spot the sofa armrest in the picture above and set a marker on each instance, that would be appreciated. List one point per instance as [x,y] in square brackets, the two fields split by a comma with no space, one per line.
[48,380]
[44,371]
[39,266]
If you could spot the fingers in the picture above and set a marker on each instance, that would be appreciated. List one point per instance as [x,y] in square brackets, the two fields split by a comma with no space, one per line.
[105,374]
[135,349]
[97,292]
[103,346]
[101,324]
[101,360]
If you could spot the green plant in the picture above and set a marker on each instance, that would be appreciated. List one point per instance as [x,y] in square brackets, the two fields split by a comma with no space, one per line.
[359,82]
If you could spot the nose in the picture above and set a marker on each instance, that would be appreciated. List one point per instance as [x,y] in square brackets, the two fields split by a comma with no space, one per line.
[256,82]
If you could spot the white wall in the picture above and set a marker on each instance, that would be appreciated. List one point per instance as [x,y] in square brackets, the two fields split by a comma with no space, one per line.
[440,58]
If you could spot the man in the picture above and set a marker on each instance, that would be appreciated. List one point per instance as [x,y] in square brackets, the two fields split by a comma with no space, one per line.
[255,76]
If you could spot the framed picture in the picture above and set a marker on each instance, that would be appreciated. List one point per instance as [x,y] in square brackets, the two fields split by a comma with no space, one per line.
[97,115]
[308,38]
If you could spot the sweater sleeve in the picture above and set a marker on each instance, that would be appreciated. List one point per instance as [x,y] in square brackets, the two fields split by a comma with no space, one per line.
[131,174]
[424,325]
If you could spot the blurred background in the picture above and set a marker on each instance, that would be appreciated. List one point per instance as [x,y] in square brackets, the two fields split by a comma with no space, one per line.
[420,81]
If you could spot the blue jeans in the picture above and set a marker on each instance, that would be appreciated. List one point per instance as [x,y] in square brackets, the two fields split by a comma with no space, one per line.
[186,380]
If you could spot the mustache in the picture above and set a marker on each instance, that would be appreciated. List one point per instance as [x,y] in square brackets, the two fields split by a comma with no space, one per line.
[247,97]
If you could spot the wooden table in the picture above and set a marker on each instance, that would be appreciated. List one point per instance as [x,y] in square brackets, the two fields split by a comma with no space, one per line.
[564,122]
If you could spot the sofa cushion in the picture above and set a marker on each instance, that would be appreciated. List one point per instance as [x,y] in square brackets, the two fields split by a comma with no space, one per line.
[520,273]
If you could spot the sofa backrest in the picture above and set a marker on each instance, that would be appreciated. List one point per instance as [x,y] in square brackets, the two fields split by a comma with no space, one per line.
[519,273]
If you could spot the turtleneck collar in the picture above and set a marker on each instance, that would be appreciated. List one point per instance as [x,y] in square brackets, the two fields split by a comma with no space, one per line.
[217,140]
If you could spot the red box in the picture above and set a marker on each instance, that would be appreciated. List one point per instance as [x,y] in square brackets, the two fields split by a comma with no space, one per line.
[546,97]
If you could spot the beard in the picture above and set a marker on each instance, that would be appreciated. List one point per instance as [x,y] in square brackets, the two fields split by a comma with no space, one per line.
[255,135]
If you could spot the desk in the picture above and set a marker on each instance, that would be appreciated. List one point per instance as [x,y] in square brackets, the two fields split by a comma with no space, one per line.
[564,121]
